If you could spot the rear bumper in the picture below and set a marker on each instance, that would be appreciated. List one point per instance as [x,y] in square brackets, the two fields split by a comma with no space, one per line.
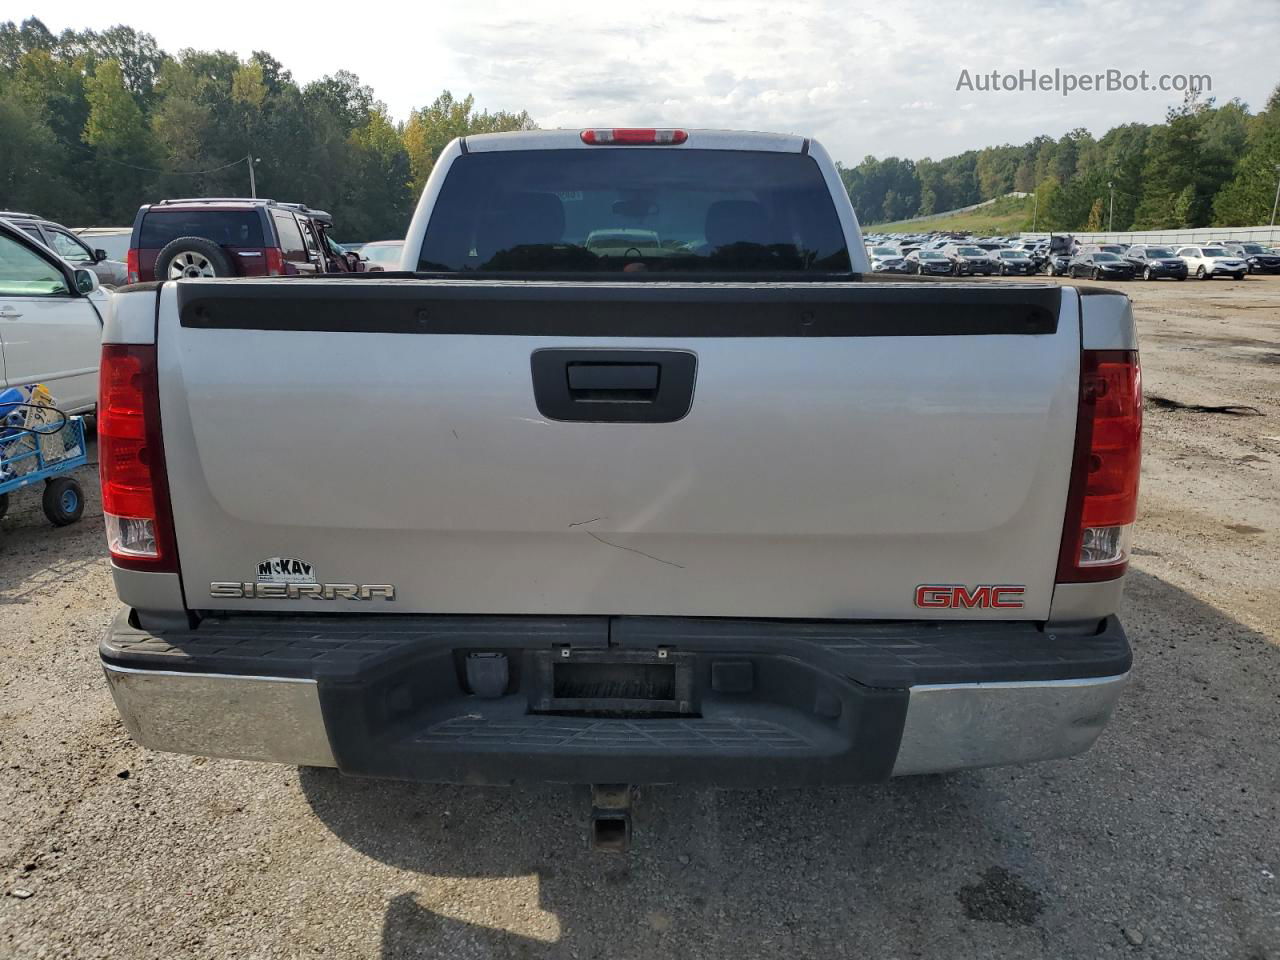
[768,703]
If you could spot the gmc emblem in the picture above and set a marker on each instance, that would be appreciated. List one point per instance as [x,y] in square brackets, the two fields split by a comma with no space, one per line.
[935,596]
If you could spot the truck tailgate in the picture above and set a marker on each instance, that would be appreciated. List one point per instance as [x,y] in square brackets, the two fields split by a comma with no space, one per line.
[838,444]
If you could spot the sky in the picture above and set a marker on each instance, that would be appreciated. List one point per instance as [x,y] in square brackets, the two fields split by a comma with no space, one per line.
[863,78]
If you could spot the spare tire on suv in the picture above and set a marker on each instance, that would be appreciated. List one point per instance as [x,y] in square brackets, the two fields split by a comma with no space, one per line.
[189,257]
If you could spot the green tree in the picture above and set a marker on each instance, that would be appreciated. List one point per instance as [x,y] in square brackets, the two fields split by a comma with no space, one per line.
[1045,148]
[881,190]
[16,41]
[1069,205]
[1184,206]
[1094,223]
[1249,198]
[995,168]
[381,203]
[930,183]
[119,135]
[1042,206]
[1224,134]
[1173,152]
[56,88]
[31,175]
[1067,156]
[1024,177]
[248,87]
[137,55]
[948,183]
[343,95]
[431,128]
[1123,152]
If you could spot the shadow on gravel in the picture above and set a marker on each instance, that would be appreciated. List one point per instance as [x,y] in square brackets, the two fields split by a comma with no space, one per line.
[1054,859]
[712,872]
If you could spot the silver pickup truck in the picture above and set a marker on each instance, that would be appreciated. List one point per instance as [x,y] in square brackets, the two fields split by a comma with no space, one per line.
[627,476]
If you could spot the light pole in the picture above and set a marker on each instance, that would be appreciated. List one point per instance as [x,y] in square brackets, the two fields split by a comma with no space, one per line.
[1111,206]
[253,186]
[1276,201]
[1035,210]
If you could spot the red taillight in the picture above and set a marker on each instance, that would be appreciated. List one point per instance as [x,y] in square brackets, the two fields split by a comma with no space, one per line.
[1102,501]
[275,262]
[633,136]
[131,265]
[135,488]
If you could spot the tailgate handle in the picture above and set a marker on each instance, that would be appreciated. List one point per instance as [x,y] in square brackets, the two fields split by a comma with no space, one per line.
[602,385]
[613,382]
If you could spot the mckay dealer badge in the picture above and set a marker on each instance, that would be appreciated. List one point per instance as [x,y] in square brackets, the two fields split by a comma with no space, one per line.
[288,578]
[285,570]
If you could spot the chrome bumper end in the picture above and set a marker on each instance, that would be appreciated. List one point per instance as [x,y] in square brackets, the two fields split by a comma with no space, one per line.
[967,725]
[221,715]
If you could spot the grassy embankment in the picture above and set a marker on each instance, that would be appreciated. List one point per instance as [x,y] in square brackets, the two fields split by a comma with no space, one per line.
[1004,216]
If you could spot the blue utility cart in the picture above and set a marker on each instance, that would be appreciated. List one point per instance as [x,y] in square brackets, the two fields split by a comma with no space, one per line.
[45,452]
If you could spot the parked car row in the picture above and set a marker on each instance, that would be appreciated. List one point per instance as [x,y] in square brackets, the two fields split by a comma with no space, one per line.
[1257,258]
[953,259]
[209,237]
[233,237]
[1063,256]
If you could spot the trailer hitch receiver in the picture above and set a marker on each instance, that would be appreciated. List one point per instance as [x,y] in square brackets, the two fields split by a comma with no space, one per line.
[611,817]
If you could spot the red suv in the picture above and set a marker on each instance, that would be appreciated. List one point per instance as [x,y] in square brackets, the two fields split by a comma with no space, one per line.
[233,237]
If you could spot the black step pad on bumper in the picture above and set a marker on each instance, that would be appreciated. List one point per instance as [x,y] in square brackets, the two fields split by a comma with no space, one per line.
[896,654]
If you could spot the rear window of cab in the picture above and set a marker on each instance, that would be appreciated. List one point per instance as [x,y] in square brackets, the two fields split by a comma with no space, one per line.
[634,209]
[227,228]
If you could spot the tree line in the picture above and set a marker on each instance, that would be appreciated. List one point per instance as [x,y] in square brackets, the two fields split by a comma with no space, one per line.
[93,124]
[1206,165]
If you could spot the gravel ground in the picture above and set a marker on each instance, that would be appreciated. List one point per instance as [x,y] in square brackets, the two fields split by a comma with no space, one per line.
[1162,841]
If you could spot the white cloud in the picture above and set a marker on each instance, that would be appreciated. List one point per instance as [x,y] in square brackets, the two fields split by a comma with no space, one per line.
[862,78]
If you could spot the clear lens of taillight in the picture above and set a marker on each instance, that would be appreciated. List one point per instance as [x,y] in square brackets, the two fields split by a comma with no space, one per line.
[131,536]
[1104,545]
[1103,499]
[135,494]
